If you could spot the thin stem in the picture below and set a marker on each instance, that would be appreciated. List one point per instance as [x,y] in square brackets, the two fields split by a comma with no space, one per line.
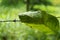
[27,6]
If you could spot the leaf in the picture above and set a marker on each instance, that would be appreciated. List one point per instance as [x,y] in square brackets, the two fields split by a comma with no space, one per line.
[40,17]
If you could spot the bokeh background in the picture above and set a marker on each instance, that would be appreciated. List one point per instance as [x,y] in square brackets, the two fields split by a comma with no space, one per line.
[10,9]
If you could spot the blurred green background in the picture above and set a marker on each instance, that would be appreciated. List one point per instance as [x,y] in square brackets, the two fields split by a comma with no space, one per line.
[10,9]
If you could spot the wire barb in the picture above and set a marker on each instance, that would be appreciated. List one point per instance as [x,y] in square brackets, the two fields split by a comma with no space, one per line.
[10,21]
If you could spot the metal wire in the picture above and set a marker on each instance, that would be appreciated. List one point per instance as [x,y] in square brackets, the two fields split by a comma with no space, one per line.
[10,21]
[14,20]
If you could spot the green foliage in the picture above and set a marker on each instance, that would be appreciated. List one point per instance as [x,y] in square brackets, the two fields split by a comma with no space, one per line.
[19,31]
[40,18]
[32,3]
[11,2]
[27,30]
[38,2]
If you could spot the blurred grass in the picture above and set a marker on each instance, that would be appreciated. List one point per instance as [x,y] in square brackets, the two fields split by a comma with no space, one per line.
[53,10]
[11,12]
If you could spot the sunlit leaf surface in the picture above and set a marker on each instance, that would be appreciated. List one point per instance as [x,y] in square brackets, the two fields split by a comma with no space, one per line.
[42,17]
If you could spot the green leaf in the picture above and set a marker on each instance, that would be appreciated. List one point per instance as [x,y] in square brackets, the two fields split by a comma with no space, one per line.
[40,17]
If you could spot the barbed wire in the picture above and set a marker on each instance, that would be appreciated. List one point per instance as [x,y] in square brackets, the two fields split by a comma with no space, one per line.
[9,20]
[14,20]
